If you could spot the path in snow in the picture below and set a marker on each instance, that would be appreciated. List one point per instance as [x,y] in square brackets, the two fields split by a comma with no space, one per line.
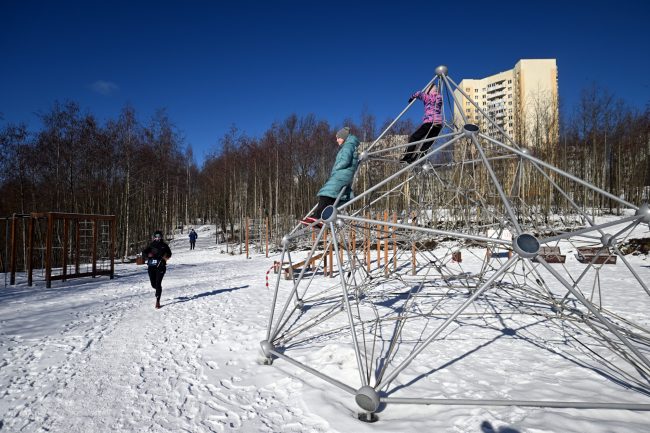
[96,356]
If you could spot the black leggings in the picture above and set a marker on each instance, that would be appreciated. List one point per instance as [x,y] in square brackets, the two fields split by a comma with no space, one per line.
[156,275]
[426,130]
[323,202]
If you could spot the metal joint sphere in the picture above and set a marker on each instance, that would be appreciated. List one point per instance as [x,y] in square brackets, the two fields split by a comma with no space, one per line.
[526,245]
[644,212]
[470,129]
[329,214]
[441,70]
[285,241]
[267,347]
[607,240]
[363,156]
[299,304]
[367,398]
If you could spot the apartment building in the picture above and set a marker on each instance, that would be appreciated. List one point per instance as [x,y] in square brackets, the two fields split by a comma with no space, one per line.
[522,101]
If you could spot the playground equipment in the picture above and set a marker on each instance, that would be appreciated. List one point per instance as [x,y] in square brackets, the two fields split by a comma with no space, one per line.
[477,249]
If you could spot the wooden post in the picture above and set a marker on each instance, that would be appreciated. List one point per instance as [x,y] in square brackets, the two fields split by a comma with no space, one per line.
[247,240]
[14,252]
[112,249]
[77,242]
[413,250]
[66,224]
[30,248]
[48,251]
[266,224]
[413,258]
[95,238]
[366,243]
[386,243]
[394,243]
[378,243]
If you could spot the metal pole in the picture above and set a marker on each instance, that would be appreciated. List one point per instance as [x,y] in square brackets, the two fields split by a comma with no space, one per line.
[275,295]
[638,278]
[594,311]
[521,403]
[315,372]
[294,291]
[398,116]
[428,230]
[456,102]
[506,202]
[414,143]
[561,172]
[589,229]
[357,349]
[399,173]
[565,195]
[486,115]
[446,323]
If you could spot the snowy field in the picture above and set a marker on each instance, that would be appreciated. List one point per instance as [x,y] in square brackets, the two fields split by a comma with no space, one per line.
[93,355]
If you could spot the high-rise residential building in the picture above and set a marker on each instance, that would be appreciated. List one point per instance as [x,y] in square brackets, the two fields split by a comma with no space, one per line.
[523,101]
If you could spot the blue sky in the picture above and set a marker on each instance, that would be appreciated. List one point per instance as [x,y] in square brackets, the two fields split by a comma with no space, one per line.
[215,64]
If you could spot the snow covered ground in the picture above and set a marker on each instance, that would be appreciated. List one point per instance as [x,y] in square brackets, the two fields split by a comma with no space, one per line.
[93,355]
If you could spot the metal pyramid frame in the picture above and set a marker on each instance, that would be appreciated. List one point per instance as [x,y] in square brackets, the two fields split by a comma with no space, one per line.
[480,199]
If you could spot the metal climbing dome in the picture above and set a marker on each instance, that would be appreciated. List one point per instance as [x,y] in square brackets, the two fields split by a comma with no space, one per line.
[454,253]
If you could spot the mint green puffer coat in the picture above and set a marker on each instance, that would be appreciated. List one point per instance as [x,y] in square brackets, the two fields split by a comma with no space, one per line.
[342,174]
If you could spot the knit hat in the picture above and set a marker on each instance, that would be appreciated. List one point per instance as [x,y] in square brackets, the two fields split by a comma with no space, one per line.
[343,133]
[158,234]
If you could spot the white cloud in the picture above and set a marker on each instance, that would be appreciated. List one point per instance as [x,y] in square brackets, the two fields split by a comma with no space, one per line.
[104,87]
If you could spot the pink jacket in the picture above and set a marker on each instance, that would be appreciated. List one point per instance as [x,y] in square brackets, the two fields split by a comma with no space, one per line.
[432,107]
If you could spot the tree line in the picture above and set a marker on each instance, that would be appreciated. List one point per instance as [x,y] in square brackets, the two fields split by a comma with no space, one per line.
[144,173]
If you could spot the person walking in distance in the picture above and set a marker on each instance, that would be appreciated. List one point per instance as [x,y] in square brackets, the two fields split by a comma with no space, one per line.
[157,254]
[192,237]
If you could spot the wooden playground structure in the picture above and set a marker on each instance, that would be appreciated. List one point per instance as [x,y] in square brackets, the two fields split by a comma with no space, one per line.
[62,246]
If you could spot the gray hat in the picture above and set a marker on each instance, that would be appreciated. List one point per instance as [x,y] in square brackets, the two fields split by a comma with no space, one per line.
[343,133]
